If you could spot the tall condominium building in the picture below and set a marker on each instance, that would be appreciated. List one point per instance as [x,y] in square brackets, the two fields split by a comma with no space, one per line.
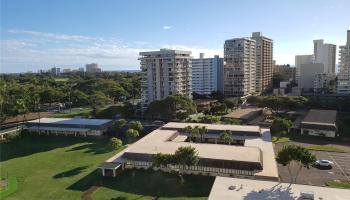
[325,53]
[344,67]
[264,61]
[239,67]
[207,74]
[92,68]
[164,73]
[302,59]
[55,71]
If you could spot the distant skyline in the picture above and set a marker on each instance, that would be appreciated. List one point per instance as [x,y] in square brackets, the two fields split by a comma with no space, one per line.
[40,34]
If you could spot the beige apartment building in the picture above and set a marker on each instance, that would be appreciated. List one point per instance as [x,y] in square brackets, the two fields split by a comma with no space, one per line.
[239,67]
[264,61]
[165,72]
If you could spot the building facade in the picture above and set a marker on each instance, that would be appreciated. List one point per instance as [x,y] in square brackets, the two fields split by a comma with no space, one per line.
[286,72]
[324,83]
[325,53]
[307,75]
[343,85]
[207,74]
[239,67]
[92,68]
[165,72]
[302,59]
[264,62]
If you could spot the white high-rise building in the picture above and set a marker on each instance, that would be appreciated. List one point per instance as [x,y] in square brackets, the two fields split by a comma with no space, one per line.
[344,67]
[325,53]
[239,67]
[264,61]
[207,74]
[302,59]
[165,72]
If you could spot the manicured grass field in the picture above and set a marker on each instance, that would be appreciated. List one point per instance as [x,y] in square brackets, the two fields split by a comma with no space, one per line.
[47,167]
[336,184]
[63,168]
[148,185]
[325,148]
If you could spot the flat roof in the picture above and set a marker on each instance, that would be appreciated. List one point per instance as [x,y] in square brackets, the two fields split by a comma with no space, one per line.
[247,189]
[72,121]
[158,141]
[321,116]
[245,113]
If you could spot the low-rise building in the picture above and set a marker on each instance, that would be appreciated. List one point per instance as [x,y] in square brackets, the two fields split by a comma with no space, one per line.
[244,114]
[69,126]
[215,158]
[319,123]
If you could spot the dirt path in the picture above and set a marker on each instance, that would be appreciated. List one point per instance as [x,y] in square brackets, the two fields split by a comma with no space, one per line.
[87,194]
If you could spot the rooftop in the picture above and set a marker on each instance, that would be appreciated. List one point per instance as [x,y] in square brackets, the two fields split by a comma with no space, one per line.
[163,140]
[158,142]
[246,189]
[244,114]
[321,117]
[71,121]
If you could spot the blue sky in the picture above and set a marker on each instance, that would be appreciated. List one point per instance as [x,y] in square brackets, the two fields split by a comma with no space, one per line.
[39,34]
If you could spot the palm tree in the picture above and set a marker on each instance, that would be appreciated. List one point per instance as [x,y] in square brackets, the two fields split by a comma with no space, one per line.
[226,136]
[203,131]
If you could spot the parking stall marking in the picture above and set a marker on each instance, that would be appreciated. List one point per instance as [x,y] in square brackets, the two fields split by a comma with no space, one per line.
[341,169]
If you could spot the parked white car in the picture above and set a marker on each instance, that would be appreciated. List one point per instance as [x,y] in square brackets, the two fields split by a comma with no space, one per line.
[324,163]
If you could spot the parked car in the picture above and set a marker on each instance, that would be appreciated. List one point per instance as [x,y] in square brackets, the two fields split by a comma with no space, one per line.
[324,163]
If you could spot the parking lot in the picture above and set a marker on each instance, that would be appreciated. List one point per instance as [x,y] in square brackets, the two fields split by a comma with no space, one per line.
[315,176]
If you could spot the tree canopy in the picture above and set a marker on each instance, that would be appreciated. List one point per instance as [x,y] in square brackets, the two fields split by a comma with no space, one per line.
[173,107]
[294,154]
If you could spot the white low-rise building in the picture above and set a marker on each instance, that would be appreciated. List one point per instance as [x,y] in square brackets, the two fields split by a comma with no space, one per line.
[320,123]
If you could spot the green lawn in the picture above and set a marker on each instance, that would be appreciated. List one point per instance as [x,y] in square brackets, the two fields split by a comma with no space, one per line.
[86,112]
[63,168]
[277,139]
[11,186]
[148,184]
[337,184]
[47,167]
[325,148]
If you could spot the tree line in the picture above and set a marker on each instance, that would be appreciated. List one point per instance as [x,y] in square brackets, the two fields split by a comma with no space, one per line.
[31,92]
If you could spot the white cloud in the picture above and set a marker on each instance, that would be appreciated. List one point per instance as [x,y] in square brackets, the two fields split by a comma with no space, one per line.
[167,27]
[54,36]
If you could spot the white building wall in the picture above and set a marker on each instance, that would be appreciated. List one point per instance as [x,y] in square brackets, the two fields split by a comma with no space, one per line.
[325,53]
[164,73]
[205,74]
[299,60]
